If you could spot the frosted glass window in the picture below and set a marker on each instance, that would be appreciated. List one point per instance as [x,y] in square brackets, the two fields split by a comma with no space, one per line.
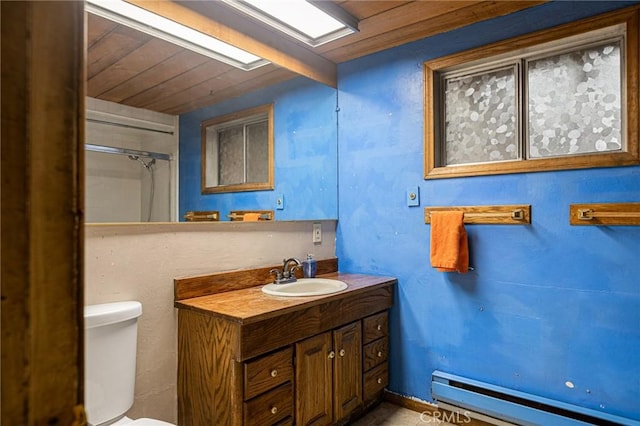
[480,117]
[564,98]
[257,152]
[243,153]
[575,102]
[237,151]
[231,155]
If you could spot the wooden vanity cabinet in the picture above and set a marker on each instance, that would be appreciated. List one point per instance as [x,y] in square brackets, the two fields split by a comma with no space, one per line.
[329,376]
[248,359]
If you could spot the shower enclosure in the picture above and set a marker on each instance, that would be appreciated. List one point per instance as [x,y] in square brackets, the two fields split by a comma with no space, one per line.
[129,169]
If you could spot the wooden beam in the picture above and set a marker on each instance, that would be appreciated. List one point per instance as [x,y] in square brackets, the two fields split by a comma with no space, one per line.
[42,229]
[417,21]
[216,20]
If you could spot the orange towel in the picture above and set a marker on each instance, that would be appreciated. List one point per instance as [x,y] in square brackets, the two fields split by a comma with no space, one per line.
[449,244]
[251,217]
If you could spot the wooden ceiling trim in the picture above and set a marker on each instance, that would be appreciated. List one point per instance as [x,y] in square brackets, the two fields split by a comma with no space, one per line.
[291,56]
[113,46]
[442,23]
[172,90]
[166,70]
[278,75]
[129,66]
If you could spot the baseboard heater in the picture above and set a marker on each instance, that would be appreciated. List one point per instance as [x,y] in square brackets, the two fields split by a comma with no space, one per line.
[509,406]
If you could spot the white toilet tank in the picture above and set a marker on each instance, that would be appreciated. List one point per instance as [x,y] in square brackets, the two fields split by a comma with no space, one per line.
[110,359]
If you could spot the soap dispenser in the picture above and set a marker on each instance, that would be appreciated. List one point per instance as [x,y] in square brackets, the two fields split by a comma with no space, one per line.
[309,267]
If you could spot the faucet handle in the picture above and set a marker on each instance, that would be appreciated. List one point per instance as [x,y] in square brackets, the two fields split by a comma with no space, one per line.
[292,271]
[277,273]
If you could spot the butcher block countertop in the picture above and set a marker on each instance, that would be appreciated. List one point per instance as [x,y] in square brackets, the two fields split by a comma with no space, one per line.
[250,305]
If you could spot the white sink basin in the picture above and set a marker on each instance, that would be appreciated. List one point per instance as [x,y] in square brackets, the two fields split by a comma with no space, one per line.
[305,287]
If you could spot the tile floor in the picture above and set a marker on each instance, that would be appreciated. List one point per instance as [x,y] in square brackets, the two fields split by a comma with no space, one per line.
[387,414]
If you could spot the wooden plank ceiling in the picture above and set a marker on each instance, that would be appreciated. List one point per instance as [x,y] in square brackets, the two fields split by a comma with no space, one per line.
[135,69]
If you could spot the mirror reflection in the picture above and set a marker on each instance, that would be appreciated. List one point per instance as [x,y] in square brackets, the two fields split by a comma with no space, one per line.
[147,101]
[305,155]
[130,167]
[237,151]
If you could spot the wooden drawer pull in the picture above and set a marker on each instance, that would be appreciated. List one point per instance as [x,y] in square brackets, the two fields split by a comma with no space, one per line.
[274,372]
[274,410]
[332,355]
[379,327]
[379,380]
[342,352]
[379,354]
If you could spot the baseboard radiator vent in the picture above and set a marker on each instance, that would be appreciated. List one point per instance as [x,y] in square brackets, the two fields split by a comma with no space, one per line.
[509,406]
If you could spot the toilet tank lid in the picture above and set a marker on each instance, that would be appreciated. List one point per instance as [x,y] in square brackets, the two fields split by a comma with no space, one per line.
[110,313]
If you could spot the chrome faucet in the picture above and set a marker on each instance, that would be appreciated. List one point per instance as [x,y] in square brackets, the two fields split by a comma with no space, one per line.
[288,273]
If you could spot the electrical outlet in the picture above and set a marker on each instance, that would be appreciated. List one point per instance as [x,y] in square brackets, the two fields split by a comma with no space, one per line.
[317,233]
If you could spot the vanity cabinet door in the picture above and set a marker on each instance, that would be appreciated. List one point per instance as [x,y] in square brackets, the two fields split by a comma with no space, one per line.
[347,367]
[329,376]
[314,359]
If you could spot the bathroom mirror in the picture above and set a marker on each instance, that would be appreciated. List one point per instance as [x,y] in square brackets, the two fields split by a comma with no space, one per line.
[157,174]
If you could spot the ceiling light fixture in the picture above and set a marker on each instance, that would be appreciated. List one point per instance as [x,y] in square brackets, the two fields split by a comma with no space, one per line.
[313,22]
[158,26]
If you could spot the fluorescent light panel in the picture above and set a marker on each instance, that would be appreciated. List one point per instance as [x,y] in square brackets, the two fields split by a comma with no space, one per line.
[158,26]
[303,20]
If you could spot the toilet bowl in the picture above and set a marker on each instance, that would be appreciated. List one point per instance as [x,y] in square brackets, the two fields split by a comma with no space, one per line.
[126,421]
[111,331]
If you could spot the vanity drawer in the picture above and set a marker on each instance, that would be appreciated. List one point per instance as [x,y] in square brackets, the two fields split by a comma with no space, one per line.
[375,353]
[375,380]
[267,372]
[375,327]
[270,408]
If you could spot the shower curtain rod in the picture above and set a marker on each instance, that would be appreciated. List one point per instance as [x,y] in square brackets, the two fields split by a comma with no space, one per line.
[129,126]
[126,151]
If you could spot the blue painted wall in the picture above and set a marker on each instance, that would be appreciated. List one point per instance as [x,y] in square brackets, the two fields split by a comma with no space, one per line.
[547,303]
[305,154]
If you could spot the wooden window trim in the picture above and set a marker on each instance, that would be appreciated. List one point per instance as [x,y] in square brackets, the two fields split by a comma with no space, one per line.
[242,187]
[631,156]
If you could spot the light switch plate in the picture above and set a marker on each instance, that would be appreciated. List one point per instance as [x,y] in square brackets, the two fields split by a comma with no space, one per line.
[280,202]
[413,196]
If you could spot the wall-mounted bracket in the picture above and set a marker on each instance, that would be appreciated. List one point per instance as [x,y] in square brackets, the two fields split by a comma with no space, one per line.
[497,215]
